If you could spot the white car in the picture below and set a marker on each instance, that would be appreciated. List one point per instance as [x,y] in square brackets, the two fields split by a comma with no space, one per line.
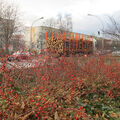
[116,53]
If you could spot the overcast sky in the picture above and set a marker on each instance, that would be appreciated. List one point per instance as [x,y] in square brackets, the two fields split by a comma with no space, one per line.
[79,9]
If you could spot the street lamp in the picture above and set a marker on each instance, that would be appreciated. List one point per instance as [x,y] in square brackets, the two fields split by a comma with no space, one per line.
[102,27]
[31,29]
[98,19]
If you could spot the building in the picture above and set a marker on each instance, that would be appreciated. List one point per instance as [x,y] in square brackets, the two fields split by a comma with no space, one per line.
[107,44]
[6,28]
[35,37]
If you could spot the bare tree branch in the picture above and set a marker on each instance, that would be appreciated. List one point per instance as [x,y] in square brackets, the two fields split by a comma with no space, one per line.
[9,23]
[112,28]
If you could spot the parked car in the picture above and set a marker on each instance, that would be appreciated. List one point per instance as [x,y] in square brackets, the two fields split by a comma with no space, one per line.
[116,53]
[11,58]
[22,56]
[19,56]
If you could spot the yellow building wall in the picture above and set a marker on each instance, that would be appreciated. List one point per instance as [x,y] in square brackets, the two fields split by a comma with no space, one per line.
[33,35]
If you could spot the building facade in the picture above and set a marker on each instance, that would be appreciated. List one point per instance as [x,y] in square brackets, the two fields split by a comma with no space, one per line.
[35,37]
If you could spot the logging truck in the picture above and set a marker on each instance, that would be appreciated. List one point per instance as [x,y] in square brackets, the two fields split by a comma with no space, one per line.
[68,44]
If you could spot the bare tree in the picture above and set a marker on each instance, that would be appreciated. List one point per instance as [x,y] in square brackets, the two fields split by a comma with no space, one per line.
[51,22]
[68,19]
[65,22]
[9,23]
[18,42]
[60,22]
[112,28]
[112,31]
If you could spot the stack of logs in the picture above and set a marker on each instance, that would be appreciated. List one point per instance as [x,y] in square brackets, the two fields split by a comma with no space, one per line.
[55,45]
[66,46]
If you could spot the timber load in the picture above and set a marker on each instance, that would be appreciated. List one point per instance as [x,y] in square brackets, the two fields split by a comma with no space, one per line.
[66,46]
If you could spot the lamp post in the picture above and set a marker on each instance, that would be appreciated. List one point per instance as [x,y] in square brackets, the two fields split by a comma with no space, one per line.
[31,29]
[102,27]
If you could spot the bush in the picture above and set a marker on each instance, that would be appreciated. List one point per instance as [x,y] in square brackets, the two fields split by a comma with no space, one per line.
[65,87]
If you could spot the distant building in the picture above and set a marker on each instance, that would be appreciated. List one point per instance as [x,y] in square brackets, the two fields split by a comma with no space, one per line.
[35,37]
[27,37]
[4,24]
[107,44]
